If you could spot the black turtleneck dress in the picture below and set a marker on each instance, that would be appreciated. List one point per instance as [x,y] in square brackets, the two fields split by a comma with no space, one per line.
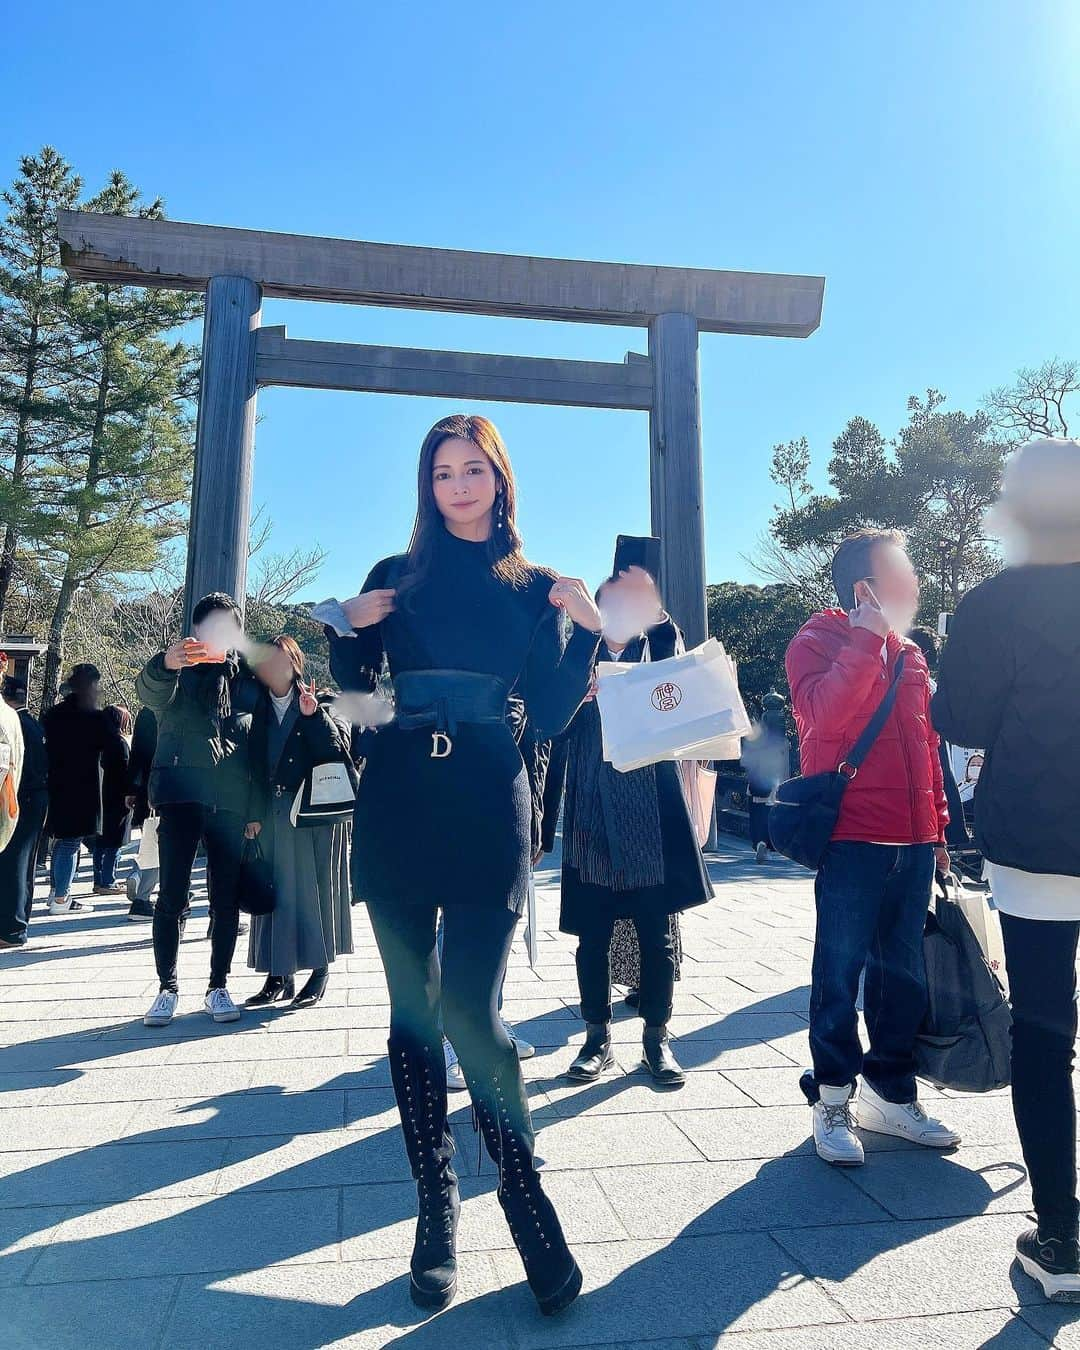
[457,831]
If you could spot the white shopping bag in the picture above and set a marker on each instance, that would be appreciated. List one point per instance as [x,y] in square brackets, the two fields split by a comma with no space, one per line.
[531,937]
[147,857]
[985,924]
[686,707]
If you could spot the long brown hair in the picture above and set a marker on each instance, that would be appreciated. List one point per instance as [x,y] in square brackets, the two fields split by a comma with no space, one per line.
[292,650]
[504,544]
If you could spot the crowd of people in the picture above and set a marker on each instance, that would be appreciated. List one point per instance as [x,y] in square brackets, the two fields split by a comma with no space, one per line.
[434,818]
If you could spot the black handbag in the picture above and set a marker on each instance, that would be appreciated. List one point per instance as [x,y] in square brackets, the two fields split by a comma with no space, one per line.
[803,817]
[256,893]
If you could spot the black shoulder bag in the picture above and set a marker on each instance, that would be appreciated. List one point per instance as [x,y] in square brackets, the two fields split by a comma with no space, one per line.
[803,816]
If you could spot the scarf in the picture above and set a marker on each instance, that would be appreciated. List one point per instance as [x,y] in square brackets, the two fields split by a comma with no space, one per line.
[208,687]
[612,831]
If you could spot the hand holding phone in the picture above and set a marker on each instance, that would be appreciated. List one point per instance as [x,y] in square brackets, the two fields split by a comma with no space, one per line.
[868,614]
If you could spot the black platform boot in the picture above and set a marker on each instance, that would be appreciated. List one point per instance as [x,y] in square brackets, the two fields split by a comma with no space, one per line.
[277,989]
[419,1076]
[502,1111]
[595,1055]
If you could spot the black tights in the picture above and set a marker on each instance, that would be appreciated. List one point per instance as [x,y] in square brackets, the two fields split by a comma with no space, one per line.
[465,984]
[1040,956]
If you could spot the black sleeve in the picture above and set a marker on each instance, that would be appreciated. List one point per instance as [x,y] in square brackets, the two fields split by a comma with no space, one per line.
[976,673]
[143,745]
[554,786]
[356,661]
[557,674]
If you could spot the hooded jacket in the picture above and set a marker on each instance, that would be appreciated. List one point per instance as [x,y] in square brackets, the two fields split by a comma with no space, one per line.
[838,676]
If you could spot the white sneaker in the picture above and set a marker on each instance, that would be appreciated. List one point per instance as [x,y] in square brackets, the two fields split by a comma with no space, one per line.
[834,1130]
[761,853]
[520,1044]
[907,1120]
[66,905]
[455,1079]
[220,1006]
[161,1010]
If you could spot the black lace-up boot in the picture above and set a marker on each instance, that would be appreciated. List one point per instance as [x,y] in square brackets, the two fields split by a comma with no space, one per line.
[418,1073]
[502,1112]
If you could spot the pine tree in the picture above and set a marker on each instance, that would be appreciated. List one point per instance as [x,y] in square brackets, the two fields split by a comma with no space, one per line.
[116,490]
[32,294]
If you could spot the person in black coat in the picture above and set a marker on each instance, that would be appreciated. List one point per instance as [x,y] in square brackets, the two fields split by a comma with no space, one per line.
[203,694]
[18,861]
[141,880]
[444,818]
[292,731]
[115,812]
[1008,683]
[82,745]
[629,852]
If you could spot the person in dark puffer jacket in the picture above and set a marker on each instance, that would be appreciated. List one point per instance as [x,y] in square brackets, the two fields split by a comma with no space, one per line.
[200,785]
[1008,685]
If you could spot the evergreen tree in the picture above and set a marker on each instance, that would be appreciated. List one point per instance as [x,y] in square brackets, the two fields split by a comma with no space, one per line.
[115,491]
[32,292]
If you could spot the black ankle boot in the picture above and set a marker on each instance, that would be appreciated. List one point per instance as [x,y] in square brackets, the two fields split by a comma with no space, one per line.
[277,989]
[502,1112]
[419,1076]
[658,1058]
[313,989]
[595,1055]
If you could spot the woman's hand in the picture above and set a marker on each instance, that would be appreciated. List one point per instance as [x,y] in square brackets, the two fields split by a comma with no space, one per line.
[364,611]
[594,684]
[309,704]
[253,829]
[572,595]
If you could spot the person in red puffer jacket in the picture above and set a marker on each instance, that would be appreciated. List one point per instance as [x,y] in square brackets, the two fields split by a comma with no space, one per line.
[873,886]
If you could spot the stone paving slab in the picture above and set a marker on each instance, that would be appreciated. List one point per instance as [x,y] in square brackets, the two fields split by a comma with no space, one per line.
[230,1186]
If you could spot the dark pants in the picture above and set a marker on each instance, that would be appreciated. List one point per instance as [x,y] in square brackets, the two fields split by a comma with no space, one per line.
[18,863]
[1040,957]
[464,983]
[657,968]
[181,829]
[759,821]
[104,863]
[871,910]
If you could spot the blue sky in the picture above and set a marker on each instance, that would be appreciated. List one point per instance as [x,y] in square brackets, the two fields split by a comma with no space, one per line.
[921,156]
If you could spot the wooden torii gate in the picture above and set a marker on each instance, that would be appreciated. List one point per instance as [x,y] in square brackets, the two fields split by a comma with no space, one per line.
[236,268]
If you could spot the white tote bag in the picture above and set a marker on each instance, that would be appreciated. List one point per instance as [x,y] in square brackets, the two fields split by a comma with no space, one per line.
[985,924]
[147,857]
[685,707]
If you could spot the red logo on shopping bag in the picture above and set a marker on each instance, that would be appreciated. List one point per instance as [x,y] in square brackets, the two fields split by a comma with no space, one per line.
[666,697]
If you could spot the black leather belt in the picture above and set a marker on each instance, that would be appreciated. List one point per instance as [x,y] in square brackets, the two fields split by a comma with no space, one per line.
[443,699]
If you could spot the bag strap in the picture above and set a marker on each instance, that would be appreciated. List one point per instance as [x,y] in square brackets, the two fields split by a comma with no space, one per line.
[862,746]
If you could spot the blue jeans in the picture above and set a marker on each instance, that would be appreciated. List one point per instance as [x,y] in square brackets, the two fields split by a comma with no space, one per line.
[104,864]
[871,909]
[65,859]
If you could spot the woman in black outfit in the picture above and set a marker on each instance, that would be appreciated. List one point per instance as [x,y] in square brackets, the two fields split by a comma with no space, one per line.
[1008,685]
[629,852]
[443,820]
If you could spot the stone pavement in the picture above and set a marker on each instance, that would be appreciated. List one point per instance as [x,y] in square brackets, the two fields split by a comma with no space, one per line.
[205,1186]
